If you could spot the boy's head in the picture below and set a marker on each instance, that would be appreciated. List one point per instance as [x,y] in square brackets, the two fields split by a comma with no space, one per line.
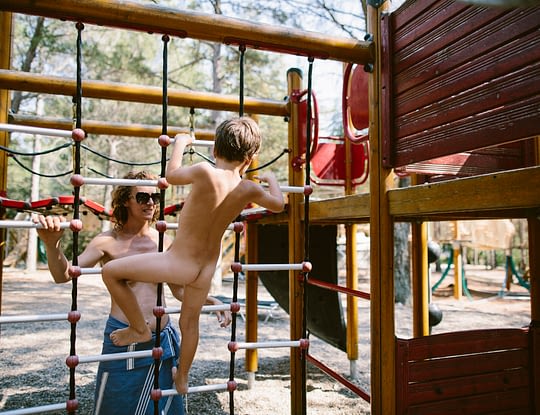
[237,139]
[122,194]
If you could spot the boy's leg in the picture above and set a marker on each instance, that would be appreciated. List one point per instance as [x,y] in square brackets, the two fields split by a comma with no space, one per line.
[115,275]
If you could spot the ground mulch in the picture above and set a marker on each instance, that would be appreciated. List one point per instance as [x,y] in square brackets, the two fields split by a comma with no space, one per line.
[34,373]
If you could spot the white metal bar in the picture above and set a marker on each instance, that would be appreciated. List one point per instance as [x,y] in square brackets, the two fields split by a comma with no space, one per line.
[196,389]
[292,189]
[253,211]
[32,318]
[266,345]
[119,182]
[87,271]
[205,308]
[198,143]
[36,409]
[115,356]
[35,130]
[174,226]
[271,267]
[27,224]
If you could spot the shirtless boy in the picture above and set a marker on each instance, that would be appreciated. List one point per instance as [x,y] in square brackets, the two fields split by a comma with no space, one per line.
[218,194]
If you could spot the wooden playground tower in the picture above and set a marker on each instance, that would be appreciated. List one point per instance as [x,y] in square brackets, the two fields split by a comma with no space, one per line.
[417,55]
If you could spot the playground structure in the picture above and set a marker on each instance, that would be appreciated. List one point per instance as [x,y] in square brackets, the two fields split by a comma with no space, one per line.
[448,81]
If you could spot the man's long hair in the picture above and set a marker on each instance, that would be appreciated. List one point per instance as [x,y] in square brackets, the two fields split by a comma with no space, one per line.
[121,194]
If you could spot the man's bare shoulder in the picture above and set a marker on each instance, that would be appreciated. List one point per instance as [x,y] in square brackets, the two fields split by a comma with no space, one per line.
[105,238]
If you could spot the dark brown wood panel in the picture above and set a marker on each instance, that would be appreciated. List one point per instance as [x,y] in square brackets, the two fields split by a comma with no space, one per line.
[439,37]
[473,92]
[460,386]
[461,78]
[512,402]
[415,19]
[470,38]
[467,365]
[517,121]
[467,342]
[488,160]
[469,372]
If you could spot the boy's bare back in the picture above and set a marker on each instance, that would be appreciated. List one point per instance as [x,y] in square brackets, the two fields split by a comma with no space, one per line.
[217,197]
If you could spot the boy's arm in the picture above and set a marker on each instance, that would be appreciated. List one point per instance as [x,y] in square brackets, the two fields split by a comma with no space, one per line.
[176,173]
[271,199]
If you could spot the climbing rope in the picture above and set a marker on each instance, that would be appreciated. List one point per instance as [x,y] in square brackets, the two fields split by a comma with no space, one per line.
[305,274]
[242,50]
[157,352]
[74,315]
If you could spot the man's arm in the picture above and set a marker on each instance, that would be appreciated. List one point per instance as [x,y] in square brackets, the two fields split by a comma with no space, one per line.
[57,262]
[50,235]
[223,317]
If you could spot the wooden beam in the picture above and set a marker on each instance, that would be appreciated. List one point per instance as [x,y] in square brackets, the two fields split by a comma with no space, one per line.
[25,81]
[507,192]
[187,23]
[352,209]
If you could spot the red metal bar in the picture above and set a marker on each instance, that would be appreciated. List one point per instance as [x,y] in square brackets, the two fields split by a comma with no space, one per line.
[351,386]
[338,288]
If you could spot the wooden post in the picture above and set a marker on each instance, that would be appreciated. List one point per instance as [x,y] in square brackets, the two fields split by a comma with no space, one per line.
[458,267]
[383,393]
[352,301]
[5,57]
[296,247]
[534,266]
[252,315]
[252,285]
[351,270]
[420,285]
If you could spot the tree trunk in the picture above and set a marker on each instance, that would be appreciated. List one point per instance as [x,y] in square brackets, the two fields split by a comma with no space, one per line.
[402,264]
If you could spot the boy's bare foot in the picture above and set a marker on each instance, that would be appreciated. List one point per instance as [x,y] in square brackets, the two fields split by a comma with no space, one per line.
[128,335]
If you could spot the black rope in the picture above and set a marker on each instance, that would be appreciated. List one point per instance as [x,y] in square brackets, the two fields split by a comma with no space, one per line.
[127,163]
[48,176]
[76,214]
[306,236]
[234,318]
[241,87]
[37,153]
[236,244]
[159,304]
[265,165]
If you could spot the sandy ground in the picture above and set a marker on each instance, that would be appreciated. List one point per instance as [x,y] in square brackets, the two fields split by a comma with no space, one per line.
[32,355]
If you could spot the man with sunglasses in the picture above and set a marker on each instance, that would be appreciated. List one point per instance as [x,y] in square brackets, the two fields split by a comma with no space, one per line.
[124,386]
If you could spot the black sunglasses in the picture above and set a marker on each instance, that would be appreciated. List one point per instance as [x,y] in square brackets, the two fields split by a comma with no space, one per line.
[143,198]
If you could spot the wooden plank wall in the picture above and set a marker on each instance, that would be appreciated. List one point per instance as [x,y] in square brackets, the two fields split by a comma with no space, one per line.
[463,78]
[468,372]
